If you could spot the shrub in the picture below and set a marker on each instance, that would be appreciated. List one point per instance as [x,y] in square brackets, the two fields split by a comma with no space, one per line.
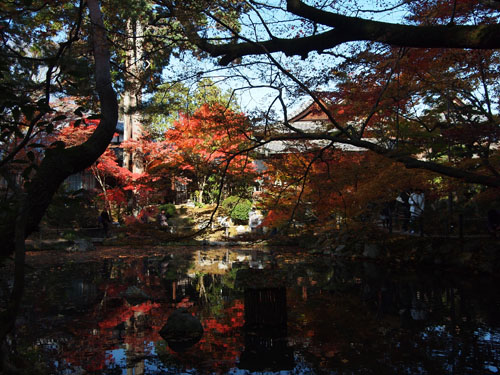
[71,209]
[70,235]
[169,209]
[237,208]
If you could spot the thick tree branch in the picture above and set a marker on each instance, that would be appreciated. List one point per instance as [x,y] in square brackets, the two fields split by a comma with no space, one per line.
[407,160]
[347,29]
[432,36]
[350,29]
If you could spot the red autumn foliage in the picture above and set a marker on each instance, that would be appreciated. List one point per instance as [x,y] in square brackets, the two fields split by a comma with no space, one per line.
[113,179]
[212,136]
[312,187]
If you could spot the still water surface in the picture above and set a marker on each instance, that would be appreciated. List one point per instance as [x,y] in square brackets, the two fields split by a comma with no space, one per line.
[261,313]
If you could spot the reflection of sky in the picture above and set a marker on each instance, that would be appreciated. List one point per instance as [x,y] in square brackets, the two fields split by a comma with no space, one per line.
[223,342]
[484,338]
[488,336]
[119,361]
[301,368]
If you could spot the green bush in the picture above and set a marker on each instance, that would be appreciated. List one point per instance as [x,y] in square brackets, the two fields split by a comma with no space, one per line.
[71,209]
[237,208]
[169,209]
[70,235]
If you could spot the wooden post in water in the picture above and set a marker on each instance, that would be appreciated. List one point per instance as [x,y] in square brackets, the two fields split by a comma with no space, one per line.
[461,226]
[265,308]
[266,346]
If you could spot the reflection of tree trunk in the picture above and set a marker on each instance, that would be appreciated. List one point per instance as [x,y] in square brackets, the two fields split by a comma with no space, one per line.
[266,346]
[134,367]
[174,291]
[265,308]
[132,94]
[201,287]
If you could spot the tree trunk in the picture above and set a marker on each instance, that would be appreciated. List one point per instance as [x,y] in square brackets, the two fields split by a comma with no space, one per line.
[201,190]
[132,97]
[58,164]
[101,180]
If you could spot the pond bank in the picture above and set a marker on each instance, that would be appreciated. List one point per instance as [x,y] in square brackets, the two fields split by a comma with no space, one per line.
[478,255]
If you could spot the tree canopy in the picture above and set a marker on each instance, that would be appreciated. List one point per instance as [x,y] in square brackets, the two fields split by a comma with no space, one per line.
[408,85]
[415,81]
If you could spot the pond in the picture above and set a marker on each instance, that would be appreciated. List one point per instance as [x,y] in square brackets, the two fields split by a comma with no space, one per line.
[262,312]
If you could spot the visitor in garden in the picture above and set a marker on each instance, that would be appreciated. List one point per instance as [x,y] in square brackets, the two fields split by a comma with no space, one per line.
[403,200]
[493,222]
[386,214]
[162,219]
[104,221]
[417,204]
[254,220]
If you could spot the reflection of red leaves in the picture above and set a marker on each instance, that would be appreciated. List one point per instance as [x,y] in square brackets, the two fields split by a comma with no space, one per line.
[145,307]
[114,290]
[185,303]
[119,315]
[96,333]
[222,337]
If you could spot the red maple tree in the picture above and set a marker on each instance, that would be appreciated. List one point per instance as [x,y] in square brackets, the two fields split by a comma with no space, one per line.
[113,180]
[208,143]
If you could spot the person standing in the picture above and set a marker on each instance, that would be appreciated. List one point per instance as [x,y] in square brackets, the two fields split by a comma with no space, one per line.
[162,219]
[417,204]
[493,222]
[404,208]
[104,220]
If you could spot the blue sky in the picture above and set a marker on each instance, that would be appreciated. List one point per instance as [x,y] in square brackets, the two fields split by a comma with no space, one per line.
[281,24]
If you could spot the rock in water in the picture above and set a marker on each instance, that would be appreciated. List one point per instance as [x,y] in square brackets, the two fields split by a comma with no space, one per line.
[182,330]
[135,296]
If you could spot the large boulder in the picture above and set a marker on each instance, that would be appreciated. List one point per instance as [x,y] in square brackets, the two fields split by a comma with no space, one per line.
[135,295]
[81,245]
[182,330]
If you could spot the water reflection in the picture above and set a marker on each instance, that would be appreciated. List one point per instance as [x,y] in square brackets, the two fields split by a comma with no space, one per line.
[266,345]
[260,312]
